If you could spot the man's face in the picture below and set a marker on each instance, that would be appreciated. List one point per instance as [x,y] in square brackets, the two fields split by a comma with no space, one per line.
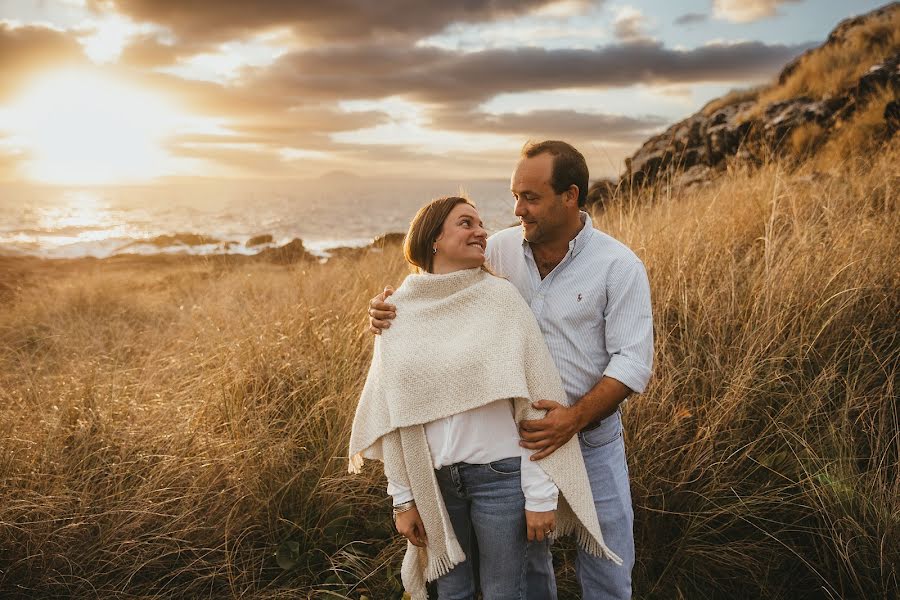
[541,210]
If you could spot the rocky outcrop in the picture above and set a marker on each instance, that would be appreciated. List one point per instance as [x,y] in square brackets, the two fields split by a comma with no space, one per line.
[697,148]
[176,239]
[699,140]
[388,239]
[601,192]
[259,240]
[691,150]
[378,244]
[892,116]
[291,252]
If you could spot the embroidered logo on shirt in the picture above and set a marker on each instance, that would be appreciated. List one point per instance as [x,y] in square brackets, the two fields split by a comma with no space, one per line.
[579,297]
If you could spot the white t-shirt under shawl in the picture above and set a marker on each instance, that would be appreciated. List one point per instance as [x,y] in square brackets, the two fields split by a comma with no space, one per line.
[479,436]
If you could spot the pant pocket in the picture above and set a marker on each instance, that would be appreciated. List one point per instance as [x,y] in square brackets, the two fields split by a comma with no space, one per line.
[506,466]
[597,438]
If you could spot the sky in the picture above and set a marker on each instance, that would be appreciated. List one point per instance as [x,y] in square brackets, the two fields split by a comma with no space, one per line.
[106,92]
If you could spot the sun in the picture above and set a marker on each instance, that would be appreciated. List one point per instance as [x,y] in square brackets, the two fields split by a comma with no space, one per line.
[81,127]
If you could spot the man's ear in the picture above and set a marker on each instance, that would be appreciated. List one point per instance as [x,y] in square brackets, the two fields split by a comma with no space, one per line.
[572,193]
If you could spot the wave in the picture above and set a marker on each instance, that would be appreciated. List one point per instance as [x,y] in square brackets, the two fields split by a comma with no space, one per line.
[175,243]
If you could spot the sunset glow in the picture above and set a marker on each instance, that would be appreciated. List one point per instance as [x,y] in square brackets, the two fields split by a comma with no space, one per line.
[118,91]
[80,127]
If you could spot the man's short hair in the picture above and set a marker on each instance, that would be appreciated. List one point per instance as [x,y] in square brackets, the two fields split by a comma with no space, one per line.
[569,166]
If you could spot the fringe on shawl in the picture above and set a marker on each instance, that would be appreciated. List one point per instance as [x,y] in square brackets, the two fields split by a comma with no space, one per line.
[412,573]
[356,464]
[583,537]
[441,565]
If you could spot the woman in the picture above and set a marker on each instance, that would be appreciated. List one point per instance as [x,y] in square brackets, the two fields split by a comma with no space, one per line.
[447,385]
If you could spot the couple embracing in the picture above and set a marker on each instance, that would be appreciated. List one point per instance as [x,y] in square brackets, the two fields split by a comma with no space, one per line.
[494,391]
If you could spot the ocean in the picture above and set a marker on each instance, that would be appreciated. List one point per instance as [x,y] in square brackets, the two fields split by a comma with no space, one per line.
[222,216]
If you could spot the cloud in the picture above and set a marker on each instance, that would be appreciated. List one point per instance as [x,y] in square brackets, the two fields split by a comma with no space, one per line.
[269,109]
[335,21]
[27,50]
[148,52]
[691,18]
[629,24]
[565,8]
[543,124]
[434,75]
[746,11]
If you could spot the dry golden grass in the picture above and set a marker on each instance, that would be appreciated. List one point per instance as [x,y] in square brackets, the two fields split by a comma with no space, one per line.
[806,139]
[826,71]
[766,455]
[166,427]
[858,138]
[732,97]
[831,68]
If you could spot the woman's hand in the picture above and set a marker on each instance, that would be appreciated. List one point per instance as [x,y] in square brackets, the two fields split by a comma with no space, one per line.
[540,524]
[381,312]
[410,525]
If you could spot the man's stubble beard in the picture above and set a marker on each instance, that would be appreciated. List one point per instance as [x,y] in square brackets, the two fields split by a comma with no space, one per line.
[541,233]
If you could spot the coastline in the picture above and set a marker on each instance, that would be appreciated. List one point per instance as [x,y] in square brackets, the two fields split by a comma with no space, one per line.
[18,271]
[199,245]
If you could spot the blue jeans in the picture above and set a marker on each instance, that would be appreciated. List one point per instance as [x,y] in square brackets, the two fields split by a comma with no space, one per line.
[487,507]
[603,450]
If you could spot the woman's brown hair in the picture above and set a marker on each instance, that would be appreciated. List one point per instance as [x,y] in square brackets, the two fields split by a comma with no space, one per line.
[425,228]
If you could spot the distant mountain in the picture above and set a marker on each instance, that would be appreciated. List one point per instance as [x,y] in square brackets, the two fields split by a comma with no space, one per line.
[835,100]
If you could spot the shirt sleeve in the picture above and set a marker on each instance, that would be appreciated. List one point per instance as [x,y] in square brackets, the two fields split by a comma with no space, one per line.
[629,327]
[491,253]
[541,494]
[399,492]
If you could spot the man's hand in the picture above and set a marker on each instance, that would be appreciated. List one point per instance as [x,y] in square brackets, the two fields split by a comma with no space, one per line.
[547,435]
[540,524]
[410,525]
[380,312]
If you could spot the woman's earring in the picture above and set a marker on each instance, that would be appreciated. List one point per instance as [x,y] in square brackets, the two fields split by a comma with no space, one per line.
[434,249]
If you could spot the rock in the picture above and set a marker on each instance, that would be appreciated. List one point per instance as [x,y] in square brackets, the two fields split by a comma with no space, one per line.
[781,118]
[600,193]
[653,156]
[388,239]
[892,117]
[723,134]
[695,175]
[884,75]
[698,140]
[291,252]
[709,140]
[259,240]
[177,239]
[739,128]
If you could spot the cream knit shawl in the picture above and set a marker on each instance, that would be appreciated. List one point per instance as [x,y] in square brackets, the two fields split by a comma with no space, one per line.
[460,341]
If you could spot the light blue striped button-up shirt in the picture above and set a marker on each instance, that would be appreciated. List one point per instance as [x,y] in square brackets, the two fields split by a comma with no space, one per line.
[593,308]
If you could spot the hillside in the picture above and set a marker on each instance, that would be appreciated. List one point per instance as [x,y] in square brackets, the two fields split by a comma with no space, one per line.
[836,100]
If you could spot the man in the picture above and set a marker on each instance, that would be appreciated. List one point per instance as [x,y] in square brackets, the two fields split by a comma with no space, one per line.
[591,298]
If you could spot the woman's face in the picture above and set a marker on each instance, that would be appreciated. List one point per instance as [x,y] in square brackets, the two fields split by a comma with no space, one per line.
[462,241]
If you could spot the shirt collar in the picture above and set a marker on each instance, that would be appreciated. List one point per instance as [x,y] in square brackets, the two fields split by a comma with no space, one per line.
[580,240]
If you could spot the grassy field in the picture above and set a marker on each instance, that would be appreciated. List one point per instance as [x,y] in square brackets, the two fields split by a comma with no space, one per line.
[177,428]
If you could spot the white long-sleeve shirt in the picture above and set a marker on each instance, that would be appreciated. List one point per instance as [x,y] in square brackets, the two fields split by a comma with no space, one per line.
[593,308]
[480,436]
